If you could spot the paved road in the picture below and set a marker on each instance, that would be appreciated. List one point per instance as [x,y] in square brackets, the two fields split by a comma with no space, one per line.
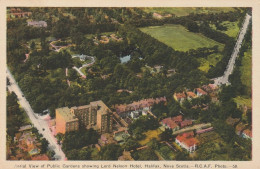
[36,120]
[224,79]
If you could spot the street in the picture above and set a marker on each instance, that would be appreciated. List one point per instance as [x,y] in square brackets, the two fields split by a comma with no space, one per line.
[36,120]
[224,79]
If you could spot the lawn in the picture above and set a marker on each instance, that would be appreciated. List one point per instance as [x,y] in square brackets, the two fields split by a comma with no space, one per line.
[149,135]
[179,38]
[246,70]
[243,101]
[166,152]
[183,11]
[212,59]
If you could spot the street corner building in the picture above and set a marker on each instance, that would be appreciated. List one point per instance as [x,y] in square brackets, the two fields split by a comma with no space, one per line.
[96,115]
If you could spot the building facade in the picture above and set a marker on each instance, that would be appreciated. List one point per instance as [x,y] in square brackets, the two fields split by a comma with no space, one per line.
[66,120]
[95,115]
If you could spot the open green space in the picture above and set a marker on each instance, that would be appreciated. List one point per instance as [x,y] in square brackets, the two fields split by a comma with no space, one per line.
[179,38]
[166,152]
[243,101]
[149,135]
[183,11]
[246,70]
[232,28]
[212,59]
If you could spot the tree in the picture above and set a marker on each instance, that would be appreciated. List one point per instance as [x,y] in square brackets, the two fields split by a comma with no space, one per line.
[131,144]
[44,145]
[110,152]
[147,154]
[166,135]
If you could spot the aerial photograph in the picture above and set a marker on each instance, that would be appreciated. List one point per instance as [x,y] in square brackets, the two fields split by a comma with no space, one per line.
[129,83]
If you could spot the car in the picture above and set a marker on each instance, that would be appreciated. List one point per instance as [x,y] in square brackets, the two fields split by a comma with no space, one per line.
[43,129]
[22,95]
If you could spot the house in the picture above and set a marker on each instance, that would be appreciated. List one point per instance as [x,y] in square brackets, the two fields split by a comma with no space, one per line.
[157,16]
[185,123]
[179,97]
[124,110]
[187,141]
[247,134]
[199,92]
[191,95]
[24,128]
[134,114]
[177,119]
[169,123]
[37,24]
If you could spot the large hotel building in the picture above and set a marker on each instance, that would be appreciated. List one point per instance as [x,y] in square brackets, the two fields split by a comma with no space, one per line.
[95,115]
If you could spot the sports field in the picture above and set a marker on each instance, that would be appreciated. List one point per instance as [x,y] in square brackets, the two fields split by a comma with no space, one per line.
[183,11]
[179,38]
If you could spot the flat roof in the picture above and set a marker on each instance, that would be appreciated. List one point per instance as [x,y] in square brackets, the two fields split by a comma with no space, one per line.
[66,114]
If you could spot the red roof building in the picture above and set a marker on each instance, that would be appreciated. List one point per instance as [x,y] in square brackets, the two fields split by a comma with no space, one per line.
[185,123]
[170,124]
[124,109]
[191,95]
[247,134]
[200,92]
[187,141]
[177,119]
[179,97]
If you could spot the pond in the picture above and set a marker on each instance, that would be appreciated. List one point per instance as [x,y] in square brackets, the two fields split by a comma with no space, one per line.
[125,59]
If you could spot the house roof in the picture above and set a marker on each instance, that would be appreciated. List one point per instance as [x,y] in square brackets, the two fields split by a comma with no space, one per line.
[138,104]
[201,91]
[169,122]
[248,132]
[180,95]
[213,86]
[186,123]
[177,119]
[187,138]
[191,94]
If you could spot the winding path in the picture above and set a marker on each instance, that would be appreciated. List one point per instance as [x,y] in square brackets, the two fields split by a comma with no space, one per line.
[85,65]
[230,67]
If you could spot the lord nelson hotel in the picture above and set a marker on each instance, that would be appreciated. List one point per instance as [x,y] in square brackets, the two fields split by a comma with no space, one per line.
[96,115]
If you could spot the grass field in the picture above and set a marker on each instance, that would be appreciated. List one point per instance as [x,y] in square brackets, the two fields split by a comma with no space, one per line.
[179,38]
[243,101]
[183,11]
[246,70]
[149,135]
[212,59]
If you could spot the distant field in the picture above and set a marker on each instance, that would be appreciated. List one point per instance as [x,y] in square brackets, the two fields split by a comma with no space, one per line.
[179,38]
[181,11]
